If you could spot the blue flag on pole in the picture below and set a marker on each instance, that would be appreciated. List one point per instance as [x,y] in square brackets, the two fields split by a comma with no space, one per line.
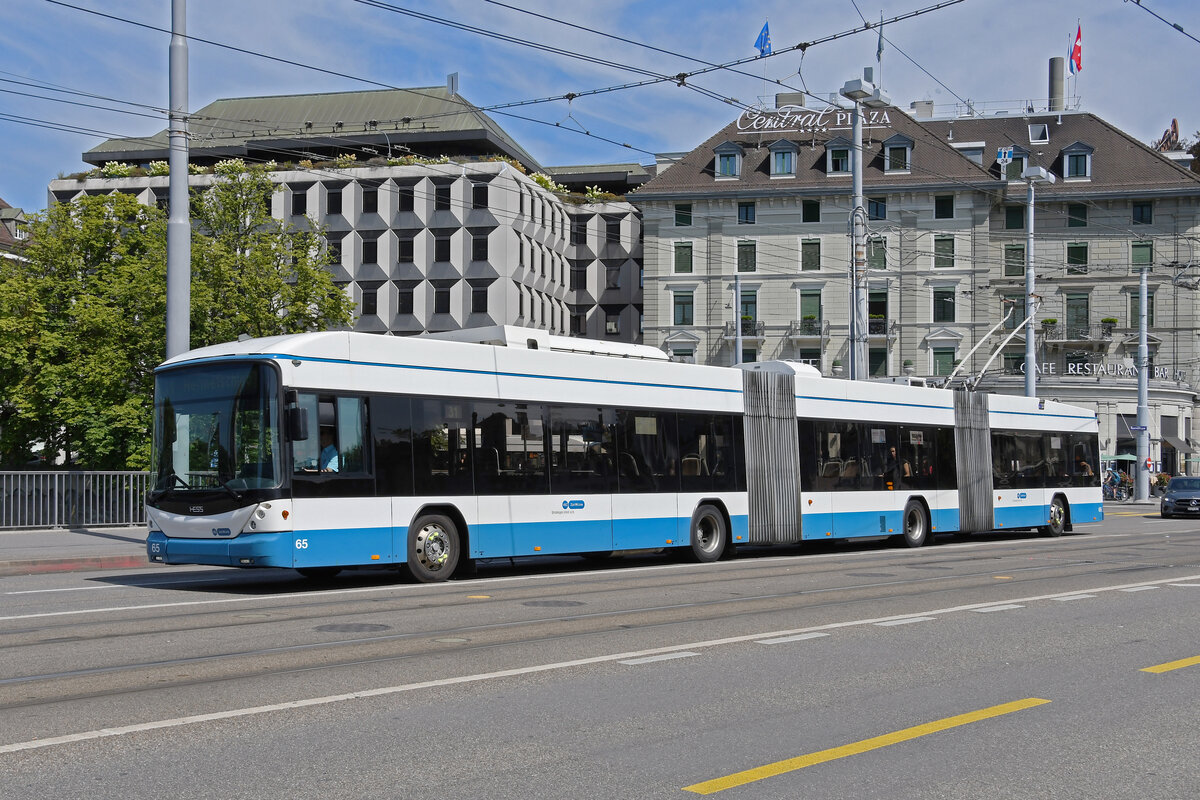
[763,42]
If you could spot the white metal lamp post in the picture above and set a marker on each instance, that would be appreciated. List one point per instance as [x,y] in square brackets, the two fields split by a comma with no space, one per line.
[1031,175]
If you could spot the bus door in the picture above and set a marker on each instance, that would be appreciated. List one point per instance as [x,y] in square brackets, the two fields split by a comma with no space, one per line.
[581,456]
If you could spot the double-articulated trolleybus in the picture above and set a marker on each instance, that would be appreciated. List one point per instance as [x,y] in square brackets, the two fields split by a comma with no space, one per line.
[324,451]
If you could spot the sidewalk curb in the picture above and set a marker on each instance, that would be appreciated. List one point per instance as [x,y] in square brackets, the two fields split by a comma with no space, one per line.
[37,566]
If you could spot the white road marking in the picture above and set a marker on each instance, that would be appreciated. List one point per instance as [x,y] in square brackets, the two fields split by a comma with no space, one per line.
[1139,588]
[1192,585]
[989,609]
[1069,598]
[800,637]
[154,584]
[651,659]
[508,673]
[892,622]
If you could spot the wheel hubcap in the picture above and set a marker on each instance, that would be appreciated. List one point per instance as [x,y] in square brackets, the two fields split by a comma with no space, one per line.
[706,534]
[915,526]
[433,548]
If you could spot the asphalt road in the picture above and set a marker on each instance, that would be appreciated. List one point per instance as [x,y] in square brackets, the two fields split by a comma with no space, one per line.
[1006,666]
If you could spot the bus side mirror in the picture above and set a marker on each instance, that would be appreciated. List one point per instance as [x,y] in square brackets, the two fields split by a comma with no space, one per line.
[297,423]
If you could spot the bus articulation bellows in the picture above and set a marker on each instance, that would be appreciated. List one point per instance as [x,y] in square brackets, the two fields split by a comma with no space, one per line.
[323,451]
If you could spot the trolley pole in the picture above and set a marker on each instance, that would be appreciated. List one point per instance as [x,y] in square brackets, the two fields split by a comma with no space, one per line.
[179,223]
[737,319]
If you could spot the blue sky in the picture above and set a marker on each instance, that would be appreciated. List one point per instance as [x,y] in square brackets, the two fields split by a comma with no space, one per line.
[1138,72]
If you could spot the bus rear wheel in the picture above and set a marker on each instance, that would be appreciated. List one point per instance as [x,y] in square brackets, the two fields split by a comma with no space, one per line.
[709,534]
[433,548]
[1058,519]
[916,524]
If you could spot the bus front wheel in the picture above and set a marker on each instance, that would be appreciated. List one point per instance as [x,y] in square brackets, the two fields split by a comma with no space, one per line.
[709,533]
[433,548]
[1057,522]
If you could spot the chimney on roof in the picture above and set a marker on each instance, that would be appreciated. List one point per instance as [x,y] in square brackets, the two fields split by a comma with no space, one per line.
[1056,83]
[921,109]
[789,99]
[452,83]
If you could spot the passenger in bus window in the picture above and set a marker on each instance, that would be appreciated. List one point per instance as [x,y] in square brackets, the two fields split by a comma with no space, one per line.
[329,460]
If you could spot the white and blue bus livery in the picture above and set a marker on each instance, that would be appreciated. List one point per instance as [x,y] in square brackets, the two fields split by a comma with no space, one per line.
[324,451]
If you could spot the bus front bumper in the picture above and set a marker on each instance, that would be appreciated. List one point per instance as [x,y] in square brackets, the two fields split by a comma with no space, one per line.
[246,550]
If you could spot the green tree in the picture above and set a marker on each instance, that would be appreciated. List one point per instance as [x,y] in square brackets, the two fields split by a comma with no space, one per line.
[82,318]
[259,276]
[81,328]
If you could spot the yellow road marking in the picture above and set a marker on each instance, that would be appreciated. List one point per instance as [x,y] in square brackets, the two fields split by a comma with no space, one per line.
[1170,665]
[834,753]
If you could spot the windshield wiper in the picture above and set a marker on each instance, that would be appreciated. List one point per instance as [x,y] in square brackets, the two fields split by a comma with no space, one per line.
[172,479]
[236,496]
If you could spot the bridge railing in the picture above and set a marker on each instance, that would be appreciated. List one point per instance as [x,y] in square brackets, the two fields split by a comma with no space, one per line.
[72,499]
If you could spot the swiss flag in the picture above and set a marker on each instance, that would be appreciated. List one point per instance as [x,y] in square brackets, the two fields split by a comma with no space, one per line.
[1075,59]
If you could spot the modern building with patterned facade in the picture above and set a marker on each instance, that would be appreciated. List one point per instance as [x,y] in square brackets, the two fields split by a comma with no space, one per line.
[431,218]
[751,230]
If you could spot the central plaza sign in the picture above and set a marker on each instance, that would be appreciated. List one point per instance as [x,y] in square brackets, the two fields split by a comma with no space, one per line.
[798,119]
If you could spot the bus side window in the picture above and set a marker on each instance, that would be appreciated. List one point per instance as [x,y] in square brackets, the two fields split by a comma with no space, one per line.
[306,452]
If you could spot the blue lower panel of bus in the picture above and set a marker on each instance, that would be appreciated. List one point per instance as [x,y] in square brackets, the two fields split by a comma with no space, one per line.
[348,546]
[1020,516]
[944,520]
[265,550]
[1087,512]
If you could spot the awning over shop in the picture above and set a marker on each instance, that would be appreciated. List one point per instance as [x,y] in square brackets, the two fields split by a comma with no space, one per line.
[1179,444]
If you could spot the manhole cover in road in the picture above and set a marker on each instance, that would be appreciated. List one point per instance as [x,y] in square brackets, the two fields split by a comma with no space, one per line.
[870,574]
[552,603]
[353,627]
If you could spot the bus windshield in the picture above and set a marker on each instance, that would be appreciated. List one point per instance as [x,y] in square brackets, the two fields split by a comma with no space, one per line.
[216,426]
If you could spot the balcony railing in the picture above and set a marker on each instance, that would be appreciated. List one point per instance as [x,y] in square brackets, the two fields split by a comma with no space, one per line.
[751,329]
[1083,334]
[809,329]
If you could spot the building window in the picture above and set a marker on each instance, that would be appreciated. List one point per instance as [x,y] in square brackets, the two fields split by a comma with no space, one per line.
[370,200]
[441,248]
[943,252]
[1014,260]
[876,208]
[612,231]
[1014,169]
[404,301]
[370,252]
[612,277]
[334,251]
[479,300]
[749,308]
[441,300]
[370,302]
[479,247]
[578,230]
[746,257]
[943,305]
[877,362]
[1016,302]
[1141,254]
[1077,165]
[333,200]
[943,360]
[579,324]
[612,323]
[1143,212]
[810,309]
[441,197]
[1077,258]
[1077,214]
[683,214]
[943,206]
[897,159]
[810,211]
[746,213]
[404,251]
[683,307]
[683,257]
[479,195]
[299,202]
[783,162]
[810,254]
[1014,218]
[1135,309]
[877,253]
[404,198]
[1077,314]
[839,160]
[686,355]
[727,166]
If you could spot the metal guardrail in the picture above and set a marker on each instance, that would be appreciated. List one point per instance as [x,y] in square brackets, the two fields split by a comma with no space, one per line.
[72,499]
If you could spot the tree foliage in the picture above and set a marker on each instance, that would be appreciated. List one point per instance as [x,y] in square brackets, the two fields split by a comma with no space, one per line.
[82,316]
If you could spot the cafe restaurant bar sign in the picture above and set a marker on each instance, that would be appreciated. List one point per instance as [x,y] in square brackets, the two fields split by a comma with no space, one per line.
[798,119]
[1106,368]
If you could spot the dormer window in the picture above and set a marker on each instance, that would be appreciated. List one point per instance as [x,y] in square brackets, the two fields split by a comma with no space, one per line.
[1020,157]
[837,156]
[1077,162]
[897,153]
[728,164]
[783,159]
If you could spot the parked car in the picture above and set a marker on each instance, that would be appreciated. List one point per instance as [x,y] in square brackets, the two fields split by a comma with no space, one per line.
[1182,498]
